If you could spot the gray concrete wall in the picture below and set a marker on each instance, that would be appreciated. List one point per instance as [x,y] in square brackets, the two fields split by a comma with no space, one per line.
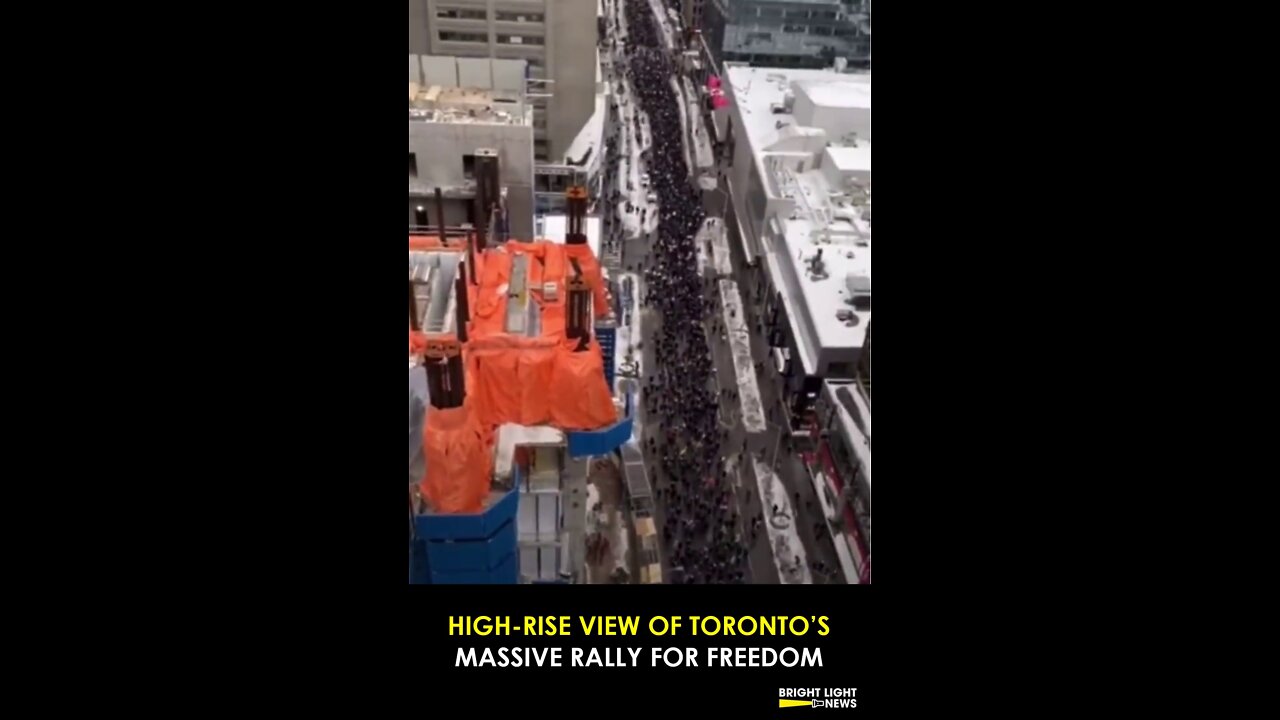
[439,148]
[568,52]
[571,27]
[455,209]
[419,28]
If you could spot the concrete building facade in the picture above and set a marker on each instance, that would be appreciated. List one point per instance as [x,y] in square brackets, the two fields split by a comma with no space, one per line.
[557,38]
[799,181]
[449,126]
[784,33]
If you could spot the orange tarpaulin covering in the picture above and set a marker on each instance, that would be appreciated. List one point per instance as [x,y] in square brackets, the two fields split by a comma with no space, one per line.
[514,378]
[459,462]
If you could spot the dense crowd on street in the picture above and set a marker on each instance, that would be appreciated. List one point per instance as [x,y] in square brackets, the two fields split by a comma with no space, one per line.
[705,541]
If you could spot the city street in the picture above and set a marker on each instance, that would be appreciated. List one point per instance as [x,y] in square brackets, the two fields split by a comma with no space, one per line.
[749,472]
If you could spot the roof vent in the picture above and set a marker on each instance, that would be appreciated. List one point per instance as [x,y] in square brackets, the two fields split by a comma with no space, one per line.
[857,284]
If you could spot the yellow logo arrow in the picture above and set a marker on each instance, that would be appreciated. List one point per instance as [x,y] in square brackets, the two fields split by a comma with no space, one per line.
[794,703]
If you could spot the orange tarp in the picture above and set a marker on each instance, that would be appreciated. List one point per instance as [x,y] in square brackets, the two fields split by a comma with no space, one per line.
[459,463]
[513,378]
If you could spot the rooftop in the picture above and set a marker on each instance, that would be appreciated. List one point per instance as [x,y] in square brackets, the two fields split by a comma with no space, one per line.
[759,92]
[441,104]
[838,92]
[820,195]
[590,139]
[852,158]
[829,298]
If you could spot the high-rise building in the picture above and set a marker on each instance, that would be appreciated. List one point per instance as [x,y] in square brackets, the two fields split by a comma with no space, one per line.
[558,38]
[783,33]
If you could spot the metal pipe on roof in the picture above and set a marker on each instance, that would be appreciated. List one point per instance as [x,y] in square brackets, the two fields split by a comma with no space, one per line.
[413,309]
[440,216]
[481,219]
[471,259]
[460,305]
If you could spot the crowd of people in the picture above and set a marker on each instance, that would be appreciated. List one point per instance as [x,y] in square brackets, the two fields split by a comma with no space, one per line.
[701,528]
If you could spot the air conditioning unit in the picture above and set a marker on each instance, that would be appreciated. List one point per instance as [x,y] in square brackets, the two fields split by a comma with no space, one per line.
[857,284]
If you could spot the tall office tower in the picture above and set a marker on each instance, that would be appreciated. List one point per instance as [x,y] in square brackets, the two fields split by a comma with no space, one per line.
[558,38]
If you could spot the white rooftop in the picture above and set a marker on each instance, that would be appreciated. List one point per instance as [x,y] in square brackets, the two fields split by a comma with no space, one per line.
[852,158]
[819,190]
[756,90]
[838,91]
[824,298]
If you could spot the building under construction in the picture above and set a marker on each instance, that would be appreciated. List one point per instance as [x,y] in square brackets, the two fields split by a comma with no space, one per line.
[509,363]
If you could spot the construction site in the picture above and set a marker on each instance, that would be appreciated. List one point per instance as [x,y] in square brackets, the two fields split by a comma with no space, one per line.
[542,448]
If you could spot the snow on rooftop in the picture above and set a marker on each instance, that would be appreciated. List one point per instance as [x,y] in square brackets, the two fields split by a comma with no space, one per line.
[852,158]
[825,297]
[837,91]
[823,200]
[756,90]
[590,137]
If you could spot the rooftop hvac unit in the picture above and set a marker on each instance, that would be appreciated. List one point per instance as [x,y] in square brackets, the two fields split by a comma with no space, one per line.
[859,287]
[857,284]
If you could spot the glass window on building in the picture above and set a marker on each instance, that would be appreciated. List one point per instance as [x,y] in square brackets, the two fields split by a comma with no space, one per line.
[520,17]
[461,14]
[795,29]
[520,39]
[449,36]
[840,369]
